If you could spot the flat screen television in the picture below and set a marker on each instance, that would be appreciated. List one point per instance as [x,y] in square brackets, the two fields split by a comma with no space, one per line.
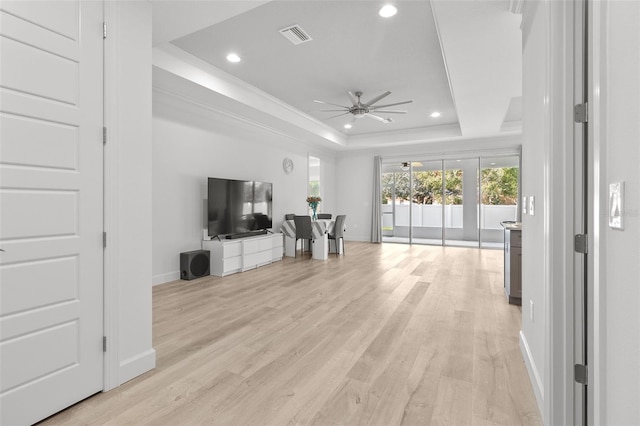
[238,206]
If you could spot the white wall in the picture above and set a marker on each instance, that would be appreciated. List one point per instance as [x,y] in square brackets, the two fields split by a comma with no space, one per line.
[191,143]
[535,139]
[128,191]
[619,144]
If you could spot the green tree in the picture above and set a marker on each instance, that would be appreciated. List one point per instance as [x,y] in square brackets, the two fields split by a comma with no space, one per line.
[453,186]
[500,186]
[427,187]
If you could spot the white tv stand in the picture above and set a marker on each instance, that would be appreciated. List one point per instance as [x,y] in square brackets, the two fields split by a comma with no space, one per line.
[242,254]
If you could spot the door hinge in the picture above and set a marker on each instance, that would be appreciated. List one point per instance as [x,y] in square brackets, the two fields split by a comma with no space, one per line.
[104,135]
[581,374]
[580,243]
[104,30]
[104,343]
[104,240]
[581,113]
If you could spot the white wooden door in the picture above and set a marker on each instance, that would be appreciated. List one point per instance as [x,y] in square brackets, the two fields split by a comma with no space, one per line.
[51,214]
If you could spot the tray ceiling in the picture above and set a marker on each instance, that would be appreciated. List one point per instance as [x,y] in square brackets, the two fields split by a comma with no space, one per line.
[459,58]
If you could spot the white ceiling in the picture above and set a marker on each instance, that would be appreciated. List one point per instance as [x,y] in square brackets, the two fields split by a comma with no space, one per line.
[460,58]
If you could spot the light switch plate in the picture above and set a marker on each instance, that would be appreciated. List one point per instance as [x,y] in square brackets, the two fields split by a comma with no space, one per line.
[524,205]
[532,204]
[616,205]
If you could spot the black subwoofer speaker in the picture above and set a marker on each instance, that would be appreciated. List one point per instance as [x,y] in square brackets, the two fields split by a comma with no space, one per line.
[194,264]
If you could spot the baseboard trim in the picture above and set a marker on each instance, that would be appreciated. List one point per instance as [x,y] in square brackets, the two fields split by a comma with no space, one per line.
[165,278]
[534,375]
[137,365]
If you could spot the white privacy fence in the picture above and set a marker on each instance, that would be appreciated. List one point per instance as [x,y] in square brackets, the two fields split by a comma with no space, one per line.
[430,215]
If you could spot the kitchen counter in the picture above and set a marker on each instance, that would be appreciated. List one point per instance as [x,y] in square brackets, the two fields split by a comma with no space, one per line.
[517,226]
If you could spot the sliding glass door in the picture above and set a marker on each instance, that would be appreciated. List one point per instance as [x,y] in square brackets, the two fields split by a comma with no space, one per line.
[461,202]
[396,191]
[426,202]
[458,202]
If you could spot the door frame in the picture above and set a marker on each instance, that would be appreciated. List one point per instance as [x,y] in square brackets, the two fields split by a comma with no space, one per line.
[559,201]
[596,63]
[557,208]
[127,153]
[111,198]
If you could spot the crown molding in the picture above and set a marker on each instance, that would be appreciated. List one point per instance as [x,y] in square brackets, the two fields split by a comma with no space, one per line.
[180,63]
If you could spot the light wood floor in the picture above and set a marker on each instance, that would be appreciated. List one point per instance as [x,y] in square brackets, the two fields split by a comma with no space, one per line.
[388,334]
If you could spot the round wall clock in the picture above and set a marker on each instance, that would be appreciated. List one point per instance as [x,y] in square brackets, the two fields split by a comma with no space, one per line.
[287,165]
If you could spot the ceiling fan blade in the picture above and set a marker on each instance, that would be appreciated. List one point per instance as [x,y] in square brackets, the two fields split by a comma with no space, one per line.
[388,105]
[353,98]
[329,103]
[389,111]
[329,110]
[377,98]
[376,117]
[339,115]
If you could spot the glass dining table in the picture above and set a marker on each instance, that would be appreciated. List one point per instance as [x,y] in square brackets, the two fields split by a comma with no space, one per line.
[320,230]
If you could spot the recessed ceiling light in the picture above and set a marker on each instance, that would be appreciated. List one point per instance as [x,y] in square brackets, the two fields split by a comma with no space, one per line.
[493,164]
[387,11]
[435,114]
[233,57]
[348,126]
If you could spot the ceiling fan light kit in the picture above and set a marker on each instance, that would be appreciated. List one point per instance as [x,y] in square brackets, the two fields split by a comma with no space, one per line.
[360,109]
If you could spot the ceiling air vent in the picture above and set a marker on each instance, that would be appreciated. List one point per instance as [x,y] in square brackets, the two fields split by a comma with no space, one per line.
[295,34]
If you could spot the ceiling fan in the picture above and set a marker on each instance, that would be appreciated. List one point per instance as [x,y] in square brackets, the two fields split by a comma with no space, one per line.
[361,109]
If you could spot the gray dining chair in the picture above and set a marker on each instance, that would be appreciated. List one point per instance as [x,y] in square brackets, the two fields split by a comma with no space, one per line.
[324,215]
[289,216]
[303,231]
[338,232]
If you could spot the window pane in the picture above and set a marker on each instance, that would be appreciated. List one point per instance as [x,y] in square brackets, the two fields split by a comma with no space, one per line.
[499,178]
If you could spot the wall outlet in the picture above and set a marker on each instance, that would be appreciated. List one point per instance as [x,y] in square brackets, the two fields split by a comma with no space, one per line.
[531,310]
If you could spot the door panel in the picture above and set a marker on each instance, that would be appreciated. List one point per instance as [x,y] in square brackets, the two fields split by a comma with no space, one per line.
[58,151]
[396,190]
[499,197]
[51,305]
[461,202]
[426,218]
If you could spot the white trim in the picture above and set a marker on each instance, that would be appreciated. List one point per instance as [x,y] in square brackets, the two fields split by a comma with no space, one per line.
[137,365]
[471,147]
[538,388]
[111,205]
[455,155]
[165,278]
[444,56]
[597,51]
[167,96]
[546,405]
[559,156]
